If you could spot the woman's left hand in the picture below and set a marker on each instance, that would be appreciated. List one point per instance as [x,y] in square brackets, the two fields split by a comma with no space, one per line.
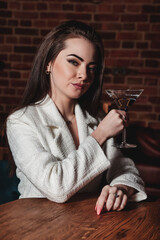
[112,198]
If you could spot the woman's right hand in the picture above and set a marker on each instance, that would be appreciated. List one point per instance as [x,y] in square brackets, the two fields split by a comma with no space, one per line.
[110,126]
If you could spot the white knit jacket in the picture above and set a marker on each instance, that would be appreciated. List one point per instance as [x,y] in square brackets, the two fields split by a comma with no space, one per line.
[48,163]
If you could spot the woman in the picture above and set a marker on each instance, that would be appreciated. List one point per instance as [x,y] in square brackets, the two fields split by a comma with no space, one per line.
[58,143]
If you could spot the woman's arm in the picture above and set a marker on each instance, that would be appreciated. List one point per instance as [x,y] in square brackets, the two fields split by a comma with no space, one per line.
[56,177]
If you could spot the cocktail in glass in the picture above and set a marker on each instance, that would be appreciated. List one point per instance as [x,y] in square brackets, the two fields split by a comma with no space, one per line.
[123,99]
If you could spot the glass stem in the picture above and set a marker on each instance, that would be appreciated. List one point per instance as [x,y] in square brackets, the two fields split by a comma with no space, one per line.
[124,135]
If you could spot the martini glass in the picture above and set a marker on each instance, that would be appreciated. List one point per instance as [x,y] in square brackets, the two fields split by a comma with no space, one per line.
[123,99]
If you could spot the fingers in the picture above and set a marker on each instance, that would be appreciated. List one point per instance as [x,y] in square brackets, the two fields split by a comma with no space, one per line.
[111,198]
[123,203]
[120,202]
[102,199]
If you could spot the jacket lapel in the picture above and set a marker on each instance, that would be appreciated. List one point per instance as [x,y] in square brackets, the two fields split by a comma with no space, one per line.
[85,123]
[52,119]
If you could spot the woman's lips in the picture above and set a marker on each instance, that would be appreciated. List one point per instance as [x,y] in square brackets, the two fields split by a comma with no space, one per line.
[77,85]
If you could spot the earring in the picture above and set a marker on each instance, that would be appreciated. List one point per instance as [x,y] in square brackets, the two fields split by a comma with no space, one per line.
[47,72]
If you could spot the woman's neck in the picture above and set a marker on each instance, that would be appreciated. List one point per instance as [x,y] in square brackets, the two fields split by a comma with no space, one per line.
[65,106]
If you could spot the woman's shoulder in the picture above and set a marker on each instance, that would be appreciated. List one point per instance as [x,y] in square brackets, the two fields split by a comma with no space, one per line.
[22,114]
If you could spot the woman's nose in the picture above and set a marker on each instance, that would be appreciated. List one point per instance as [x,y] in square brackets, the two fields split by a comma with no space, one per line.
[82,74]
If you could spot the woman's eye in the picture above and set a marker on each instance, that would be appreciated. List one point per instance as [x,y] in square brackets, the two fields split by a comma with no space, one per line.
[73,62]
[92,68]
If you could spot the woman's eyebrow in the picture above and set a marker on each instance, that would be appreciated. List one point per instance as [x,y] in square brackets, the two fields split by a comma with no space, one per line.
[81,59]
[74,55]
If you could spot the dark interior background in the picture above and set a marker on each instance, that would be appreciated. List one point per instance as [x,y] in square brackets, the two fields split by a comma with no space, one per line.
[131,35]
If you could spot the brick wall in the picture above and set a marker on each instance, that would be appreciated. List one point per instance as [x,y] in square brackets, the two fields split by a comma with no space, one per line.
[131,34]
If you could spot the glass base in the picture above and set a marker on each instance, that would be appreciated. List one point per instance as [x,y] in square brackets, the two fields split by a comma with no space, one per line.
[125,145]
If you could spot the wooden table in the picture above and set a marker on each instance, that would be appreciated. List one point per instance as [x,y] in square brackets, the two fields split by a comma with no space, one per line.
[41,219]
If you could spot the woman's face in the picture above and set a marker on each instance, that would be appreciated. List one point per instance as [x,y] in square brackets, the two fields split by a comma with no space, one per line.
[73,70]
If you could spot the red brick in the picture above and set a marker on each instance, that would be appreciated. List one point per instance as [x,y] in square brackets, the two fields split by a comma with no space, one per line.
[136,63]
[15,58]
[111,44]
[39,23]
[104,7]
[6,48]
[150,91]
[107,35]
[124,53]
[29,6]
[26,23]
[151,81]
[119,80]
[106,17]
[157,109]
[25,49]
[128,45]
[85,8]
[149,8]
[134,80]
[4,100]
[150,54]
[152,63]
[17,83]
[149,71]
[11,39]
[26,15]
[14,5]
[78,16]
[155,18]
[5,30]
[154,100]
[12,23]
[129,36]
[141,108]
[154,125]
[4,83]
[22,66]
[9,91]
[134,18]
[142,45]
[14,74]
[3,74]
[119,8]
[55,7]
[112,26]
[156,27]
[20,92]
[134,8]
[6,14]
[155,45]
[1,39]
[25,40]
[42,6]
[122,63]
[3,22]
[67,7]
[152,36]
[3,5]
[148,116]
[129,26]
[27,58]
[143,27]
[26,31]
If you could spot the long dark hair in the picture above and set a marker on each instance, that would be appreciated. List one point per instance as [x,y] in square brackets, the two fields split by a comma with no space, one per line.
[38,85]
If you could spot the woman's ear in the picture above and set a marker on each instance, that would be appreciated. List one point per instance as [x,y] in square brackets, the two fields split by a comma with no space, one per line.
[48,69]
